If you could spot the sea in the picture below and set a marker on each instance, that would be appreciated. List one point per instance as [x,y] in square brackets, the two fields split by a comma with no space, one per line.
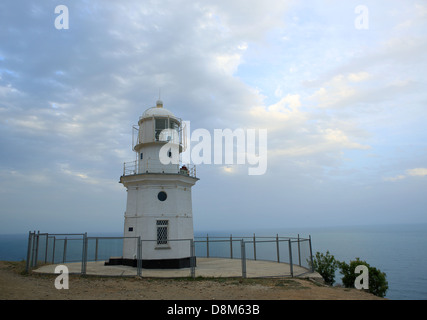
[398,250]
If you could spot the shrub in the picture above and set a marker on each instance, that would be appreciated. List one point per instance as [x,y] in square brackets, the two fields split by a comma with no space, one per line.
[378,284]
[325,265]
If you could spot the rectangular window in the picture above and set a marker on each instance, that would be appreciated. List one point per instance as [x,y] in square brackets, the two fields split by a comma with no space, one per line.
[162,231]
[141,156]
[174,125]
[130,229]
[161,124]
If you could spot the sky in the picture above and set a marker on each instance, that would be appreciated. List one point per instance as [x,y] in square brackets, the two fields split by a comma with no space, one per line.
[340,87]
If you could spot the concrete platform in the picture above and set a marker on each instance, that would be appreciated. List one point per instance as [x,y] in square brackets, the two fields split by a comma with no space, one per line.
[206,267]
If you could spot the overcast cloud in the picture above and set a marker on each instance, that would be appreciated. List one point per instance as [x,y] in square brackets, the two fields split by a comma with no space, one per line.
[345,108]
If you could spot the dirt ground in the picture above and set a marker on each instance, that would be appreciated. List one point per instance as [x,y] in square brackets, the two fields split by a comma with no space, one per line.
[16,285]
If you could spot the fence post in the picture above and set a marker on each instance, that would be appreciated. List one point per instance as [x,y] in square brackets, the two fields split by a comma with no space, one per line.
[192,259]
[53,250]
[37,249]
[65,250]
[33,248]
[86,244]
[207,246]
[46,249]
[277,248]
[27,264]
[243,254]
[299,251]
[96,248]
[138,256]
[290,258]
[311,254]
[231,246]
[84,254]
[254,247]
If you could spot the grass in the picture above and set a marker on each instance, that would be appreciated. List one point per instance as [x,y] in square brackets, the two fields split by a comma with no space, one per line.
[16,266]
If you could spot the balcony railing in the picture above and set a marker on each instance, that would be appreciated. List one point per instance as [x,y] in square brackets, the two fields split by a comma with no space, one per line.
[144,167]
[130,168]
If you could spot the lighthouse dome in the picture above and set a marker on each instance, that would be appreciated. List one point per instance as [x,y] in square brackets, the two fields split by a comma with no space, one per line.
[157,111]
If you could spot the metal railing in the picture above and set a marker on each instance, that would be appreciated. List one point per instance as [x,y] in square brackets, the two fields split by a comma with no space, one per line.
[147,166]
[293,255]
[295,251]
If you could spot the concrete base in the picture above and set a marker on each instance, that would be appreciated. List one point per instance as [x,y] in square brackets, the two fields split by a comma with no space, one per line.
[206,267]
[152,264]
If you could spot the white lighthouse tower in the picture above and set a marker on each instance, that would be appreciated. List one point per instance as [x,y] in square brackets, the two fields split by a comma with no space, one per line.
[159,206]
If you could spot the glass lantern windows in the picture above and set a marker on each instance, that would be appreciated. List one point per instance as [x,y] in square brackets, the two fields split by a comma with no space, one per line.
[161,124]
[169,127]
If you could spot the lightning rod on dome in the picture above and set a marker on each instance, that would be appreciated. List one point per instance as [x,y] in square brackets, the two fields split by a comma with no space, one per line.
[159,103]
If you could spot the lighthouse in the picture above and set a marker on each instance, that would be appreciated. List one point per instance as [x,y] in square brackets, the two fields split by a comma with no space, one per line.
[159,206]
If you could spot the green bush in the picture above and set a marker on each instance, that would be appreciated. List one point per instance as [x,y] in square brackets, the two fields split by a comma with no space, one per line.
[325,265]
[378,284]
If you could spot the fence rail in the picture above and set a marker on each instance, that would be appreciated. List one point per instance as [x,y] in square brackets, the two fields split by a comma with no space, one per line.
[153,166]
[296,252]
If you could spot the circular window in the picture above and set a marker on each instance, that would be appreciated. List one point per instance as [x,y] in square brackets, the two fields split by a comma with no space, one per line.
[162,196]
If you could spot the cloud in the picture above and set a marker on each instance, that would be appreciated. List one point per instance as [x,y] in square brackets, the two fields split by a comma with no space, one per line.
[322,141]
[298,136]
[361,91]
[334,92]
[417,172]
[273,116]
[325,91]
[13,179]
[396,178]
[420,172]
[358,77]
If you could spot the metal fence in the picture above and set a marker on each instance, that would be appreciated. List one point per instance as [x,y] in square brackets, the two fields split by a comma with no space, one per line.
[295,252]
[153,166]
[292,255]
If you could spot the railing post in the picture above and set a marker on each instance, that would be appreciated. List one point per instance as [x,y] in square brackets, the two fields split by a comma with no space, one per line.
[290,258]
[53,250]
[65,250]
[243,257]
[254,247]
[46,249]
[277,248]
[27,264]
[311,254]
[192,259]
[37,248]
[33,248]
[231,246]
[84,254]
[96,248]
[138,257]
[207,246]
